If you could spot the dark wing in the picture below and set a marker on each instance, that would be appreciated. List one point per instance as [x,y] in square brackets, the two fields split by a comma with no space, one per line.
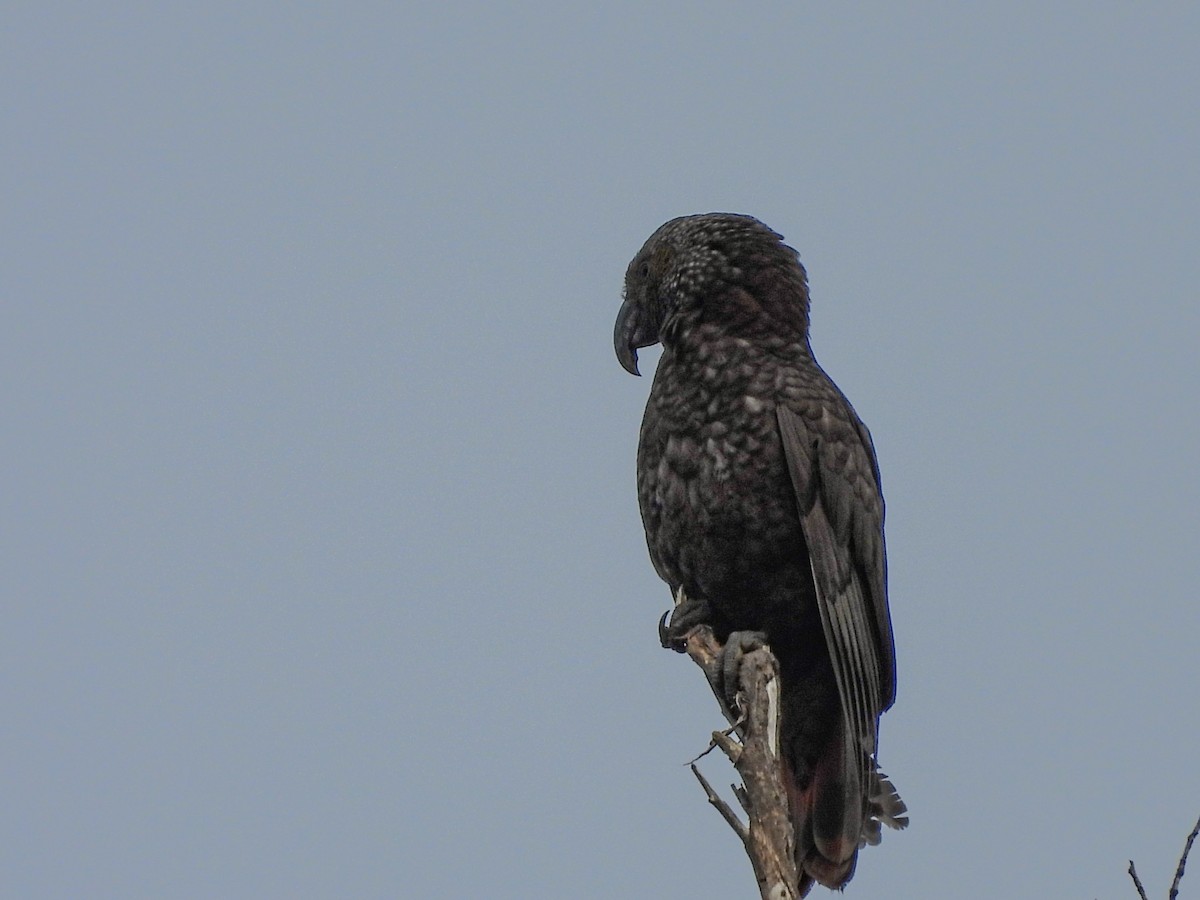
[841,510]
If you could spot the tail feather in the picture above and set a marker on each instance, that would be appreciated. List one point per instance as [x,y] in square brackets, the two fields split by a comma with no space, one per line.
[884,807]
[833,816]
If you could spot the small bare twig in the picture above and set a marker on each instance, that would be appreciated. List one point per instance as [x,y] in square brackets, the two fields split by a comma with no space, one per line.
[722,807]
[1137,882]
[754,752]
[1187,848]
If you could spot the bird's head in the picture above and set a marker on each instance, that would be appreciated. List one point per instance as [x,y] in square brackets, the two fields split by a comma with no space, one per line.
[724,268]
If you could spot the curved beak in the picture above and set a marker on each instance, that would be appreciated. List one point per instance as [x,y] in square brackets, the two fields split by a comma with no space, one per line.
[630,333]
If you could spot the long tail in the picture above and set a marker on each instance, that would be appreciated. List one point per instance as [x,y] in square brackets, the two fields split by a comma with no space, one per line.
[833,816]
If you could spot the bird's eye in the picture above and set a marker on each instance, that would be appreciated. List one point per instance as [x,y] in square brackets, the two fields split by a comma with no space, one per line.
[645,270]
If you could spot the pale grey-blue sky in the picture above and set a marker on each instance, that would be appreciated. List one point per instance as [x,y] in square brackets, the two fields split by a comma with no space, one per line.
[322,555]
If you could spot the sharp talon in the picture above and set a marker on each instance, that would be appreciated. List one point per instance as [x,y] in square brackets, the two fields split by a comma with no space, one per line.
[677,623]
[663,637]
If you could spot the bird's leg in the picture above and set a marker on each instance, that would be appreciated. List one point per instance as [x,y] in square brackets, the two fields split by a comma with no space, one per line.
[687,613]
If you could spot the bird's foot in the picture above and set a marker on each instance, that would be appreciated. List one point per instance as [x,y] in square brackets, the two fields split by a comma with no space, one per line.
[729,665]
[677,623]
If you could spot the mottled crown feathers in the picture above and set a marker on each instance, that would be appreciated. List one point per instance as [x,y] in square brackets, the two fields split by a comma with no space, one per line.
[728,270]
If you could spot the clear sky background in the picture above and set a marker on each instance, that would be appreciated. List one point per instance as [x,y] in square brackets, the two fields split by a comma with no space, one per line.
[322,568]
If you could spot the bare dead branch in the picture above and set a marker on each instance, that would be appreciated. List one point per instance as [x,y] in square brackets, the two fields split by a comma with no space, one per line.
[754,752]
